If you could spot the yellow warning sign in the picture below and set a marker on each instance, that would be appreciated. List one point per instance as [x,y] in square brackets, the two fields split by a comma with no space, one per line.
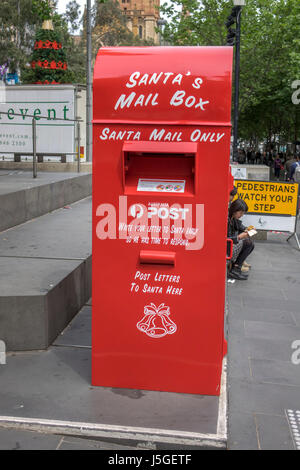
[264,197]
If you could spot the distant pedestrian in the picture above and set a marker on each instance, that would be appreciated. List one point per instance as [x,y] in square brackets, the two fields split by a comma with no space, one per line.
[251,158]
[258,157]
[287,167]
[277,167]
[241,156]
[295,170]
[270,159]
[265,158]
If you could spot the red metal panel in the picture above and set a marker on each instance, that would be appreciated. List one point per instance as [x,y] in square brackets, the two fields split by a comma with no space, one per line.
[160,196]
[182,85]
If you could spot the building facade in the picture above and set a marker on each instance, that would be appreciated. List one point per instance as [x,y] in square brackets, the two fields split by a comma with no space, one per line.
[142,16]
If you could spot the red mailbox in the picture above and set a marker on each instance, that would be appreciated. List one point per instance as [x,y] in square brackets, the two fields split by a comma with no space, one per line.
[160,196]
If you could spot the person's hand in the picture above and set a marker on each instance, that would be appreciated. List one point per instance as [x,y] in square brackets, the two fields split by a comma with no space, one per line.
[243,235]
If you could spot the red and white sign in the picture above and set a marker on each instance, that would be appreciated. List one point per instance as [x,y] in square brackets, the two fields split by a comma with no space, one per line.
[162,124]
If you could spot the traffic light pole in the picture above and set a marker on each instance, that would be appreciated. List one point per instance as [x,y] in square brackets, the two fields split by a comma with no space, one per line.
[237,84]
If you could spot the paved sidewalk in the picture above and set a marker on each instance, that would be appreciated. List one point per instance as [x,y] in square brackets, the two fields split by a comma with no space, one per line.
[264,384]
[50,391]
[12,439]
[264,321]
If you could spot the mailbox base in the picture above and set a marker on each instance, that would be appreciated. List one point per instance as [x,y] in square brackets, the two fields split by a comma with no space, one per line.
[161,437]
[144,419]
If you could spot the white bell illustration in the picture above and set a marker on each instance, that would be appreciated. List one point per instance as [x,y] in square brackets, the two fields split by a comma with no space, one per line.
[156,322]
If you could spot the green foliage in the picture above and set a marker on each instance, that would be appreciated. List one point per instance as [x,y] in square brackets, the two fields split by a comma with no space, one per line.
[16,32]
[193,23]
[42,8]
[75,52]
[20,22]
[270,57]
[41,74]
[72,15]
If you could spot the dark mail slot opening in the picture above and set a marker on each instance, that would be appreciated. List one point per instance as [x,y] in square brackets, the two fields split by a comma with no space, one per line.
[166,170]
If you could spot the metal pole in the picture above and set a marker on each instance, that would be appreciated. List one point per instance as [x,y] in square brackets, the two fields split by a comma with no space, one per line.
[294,234]
[237,83]
[34,148]
[89,134]
[78,150]
[161,23]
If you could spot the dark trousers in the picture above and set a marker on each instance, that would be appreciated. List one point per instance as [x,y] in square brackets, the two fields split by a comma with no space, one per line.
[248,247]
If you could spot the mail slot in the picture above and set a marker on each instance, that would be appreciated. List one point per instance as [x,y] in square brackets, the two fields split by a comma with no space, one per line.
[152,161]
[157,257]
[161,145]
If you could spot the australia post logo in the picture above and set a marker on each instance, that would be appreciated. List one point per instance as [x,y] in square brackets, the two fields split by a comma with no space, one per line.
[152,224]
[174,213]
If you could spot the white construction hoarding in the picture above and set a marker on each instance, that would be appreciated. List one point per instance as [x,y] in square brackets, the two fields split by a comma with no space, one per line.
[54,109]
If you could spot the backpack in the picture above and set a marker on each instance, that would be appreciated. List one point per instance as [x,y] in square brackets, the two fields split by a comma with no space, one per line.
[297,173]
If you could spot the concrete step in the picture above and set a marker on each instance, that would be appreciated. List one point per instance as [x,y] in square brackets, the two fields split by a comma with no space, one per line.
[45,267]
[23,197]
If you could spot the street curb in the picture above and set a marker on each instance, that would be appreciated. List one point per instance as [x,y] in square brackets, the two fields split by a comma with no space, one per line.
[150,437]
[128,433]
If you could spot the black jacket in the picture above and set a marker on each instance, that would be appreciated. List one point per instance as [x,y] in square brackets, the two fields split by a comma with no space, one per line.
[234,228]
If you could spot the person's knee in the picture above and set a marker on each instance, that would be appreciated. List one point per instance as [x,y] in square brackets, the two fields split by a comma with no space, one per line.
[249,243]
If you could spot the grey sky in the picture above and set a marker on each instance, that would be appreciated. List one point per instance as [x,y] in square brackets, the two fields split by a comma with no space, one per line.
[61,4]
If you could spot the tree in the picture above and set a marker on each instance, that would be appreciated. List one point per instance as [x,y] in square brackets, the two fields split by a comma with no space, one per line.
[44,8]
[20,22]
[269,64]
[72,15]
[270,57]
[48,62]
[193,23]
[75,50]
[17,31]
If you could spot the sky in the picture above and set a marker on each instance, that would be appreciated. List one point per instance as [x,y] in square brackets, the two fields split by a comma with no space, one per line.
[61,4]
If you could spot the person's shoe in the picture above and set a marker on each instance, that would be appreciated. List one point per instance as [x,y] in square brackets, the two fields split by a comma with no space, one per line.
[245,269]
[247,265]
[236,273]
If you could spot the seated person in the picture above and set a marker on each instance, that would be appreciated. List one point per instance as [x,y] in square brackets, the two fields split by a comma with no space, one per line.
[242,243]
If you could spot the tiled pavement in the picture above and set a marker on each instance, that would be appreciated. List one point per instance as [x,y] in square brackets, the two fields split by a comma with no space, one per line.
[264,321]
[12,439]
